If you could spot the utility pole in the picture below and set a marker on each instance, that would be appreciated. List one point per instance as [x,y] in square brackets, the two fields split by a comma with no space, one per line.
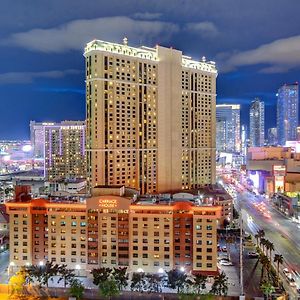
[242,295]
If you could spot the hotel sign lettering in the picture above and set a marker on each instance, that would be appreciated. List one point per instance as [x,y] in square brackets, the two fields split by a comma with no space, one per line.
[105,203]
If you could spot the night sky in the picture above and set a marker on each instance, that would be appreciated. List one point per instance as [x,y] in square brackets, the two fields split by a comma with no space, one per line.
[256,45]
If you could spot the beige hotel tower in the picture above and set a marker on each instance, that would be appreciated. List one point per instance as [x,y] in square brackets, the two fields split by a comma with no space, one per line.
[150,118]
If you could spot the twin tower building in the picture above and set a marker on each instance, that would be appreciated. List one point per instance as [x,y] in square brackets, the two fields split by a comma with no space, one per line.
[150,116]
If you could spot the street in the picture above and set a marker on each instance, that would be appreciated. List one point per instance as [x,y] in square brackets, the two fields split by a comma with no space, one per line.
[4,259]
[282,232]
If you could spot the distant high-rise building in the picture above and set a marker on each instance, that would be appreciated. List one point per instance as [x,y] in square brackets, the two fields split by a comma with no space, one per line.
[272,136]
[228,135]
[257,123]
[298,133]
[150,117]
[244,143]
[62,146]
[287,113]
[37,137]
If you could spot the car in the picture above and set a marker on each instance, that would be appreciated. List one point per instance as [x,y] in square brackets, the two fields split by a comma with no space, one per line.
[286,272]
[223,258]
[292,281]
[224,249]
[226,263]
[252,254]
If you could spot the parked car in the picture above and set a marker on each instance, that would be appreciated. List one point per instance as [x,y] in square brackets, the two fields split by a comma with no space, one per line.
[223,258]
[224,249]
[292,281]
[286,272]
[252,254]
[226,263]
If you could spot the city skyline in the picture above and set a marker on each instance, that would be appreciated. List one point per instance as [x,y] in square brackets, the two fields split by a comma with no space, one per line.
[42,75]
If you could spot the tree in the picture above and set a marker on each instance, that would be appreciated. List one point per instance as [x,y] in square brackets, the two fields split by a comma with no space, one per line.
[76,288]
[263,244]
[264,265]
[200,283]
[109,288]
[138,282]
[256,237]
[261,234]
[66,275]
[17,282]
[154,283]
[100,275]
[271,248]
[267,288]
[278,259]
[176,279]
[43,273]
[121,277]
[220,285]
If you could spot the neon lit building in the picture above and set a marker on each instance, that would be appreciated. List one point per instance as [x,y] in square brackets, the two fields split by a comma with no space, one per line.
[257,123]
[150,117]
[65,150]
[272,136]
[228,135]
[287,113]
[111,231]
[62,146]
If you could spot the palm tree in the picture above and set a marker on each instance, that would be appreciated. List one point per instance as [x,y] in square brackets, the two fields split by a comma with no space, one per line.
[220,285]
[267,246]
[271,248]
[138,281]
[263,244]
[267,288]
[200,283]
[257,237]
[264,265]
[278,258]
[261,233]
[176,279]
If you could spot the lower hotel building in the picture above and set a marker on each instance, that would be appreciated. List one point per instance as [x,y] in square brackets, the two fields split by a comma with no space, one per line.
[146,235]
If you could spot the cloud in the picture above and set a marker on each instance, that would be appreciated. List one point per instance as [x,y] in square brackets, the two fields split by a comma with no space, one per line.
[61,90]
[29,77]
[280,56]
[147,16]
[75,34]
[206,29]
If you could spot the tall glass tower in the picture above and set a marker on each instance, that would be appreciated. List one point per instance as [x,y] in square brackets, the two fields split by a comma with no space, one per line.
[228,135]
[257,123]
[287,113]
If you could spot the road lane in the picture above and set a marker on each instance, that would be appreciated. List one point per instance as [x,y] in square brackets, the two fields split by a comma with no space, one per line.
[280,231]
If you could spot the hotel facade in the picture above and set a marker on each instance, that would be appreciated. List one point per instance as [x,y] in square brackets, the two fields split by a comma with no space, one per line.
[111,231]
[62,146]
[150,118]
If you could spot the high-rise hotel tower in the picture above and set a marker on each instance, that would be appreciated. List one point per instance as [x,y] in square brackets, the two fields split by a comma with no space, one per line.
[150,117]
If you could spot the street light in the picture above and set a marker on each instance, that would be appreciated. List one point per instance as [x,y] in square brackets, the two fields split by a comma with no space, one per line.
[77,267]
[182,269]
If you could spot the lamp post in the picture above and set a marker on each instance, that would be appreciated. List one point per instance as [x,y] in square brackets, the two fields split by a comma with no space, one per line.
[77,267]
[242,295]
